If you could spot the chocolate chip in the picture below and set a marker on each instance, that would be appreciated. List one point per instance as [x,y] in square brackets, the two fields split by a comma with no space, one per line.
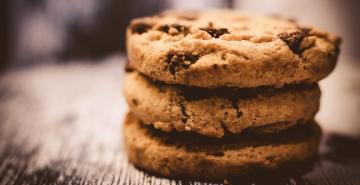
[215,66]
[293,40]
[128,68]
[140,28]
[180,28]
[164,28]
[135,102]
[215,33]
[178,61]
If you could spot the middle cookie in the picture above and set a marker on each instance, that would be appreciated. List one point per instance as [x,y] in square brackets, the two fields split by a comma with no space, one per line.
[213,112]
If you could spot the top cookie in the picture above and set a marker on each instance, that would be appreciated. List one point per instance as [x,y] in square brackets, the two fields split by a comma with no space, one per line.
[228,48]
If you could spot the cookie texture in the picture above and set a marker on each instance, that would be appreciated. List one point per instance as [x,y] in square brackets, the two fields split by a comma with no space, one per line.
[215,112]
[186,155]
[228,48]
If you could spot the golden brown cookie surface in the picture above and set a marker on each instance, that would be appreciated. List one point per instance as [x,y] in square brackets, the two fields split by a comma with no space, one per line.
[213,112]
[179,154]
[228,48]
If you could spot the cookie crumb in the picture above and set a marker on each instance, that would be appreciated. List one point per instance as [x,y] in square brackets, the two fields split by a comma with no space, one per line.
[187,128]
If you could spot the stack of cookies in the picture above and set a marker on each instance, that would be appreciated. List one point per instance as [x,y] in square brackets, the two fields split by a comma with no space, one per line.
[217,94]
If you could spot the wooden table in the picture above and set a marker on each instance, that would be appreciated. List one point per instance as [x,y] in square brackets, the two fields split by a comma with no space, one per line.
[61,124]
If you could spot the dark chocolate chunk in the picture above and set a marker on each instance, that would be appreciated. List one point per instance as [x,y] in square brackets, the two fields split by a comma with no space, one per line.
[178,61]
[140,28]
[293,40]
[215,66]
[135,102]
[180,28]
[128,68]
[215,33]
[164,28]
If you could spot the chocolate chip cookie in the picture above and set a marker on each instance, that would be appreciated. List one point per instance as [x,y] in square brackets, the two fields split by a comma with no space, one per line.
[214,112]
[179,154]
[228,48]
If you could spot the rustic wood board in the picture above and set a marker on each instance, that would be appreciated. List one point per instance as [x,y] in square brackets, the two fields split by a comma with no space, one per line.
[61,124]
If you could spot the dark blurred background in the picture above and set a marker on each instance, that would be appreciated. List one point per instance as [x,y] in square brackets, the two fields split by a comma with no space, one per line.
[35,31]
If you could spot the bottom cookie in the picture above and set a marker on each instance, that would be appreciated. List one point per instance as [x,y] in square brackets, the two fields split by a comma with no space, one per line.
[194,156]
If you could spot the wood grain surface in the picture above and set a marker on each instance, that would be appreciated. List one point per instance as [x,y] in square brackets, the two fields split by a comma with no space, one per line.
[61,124]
